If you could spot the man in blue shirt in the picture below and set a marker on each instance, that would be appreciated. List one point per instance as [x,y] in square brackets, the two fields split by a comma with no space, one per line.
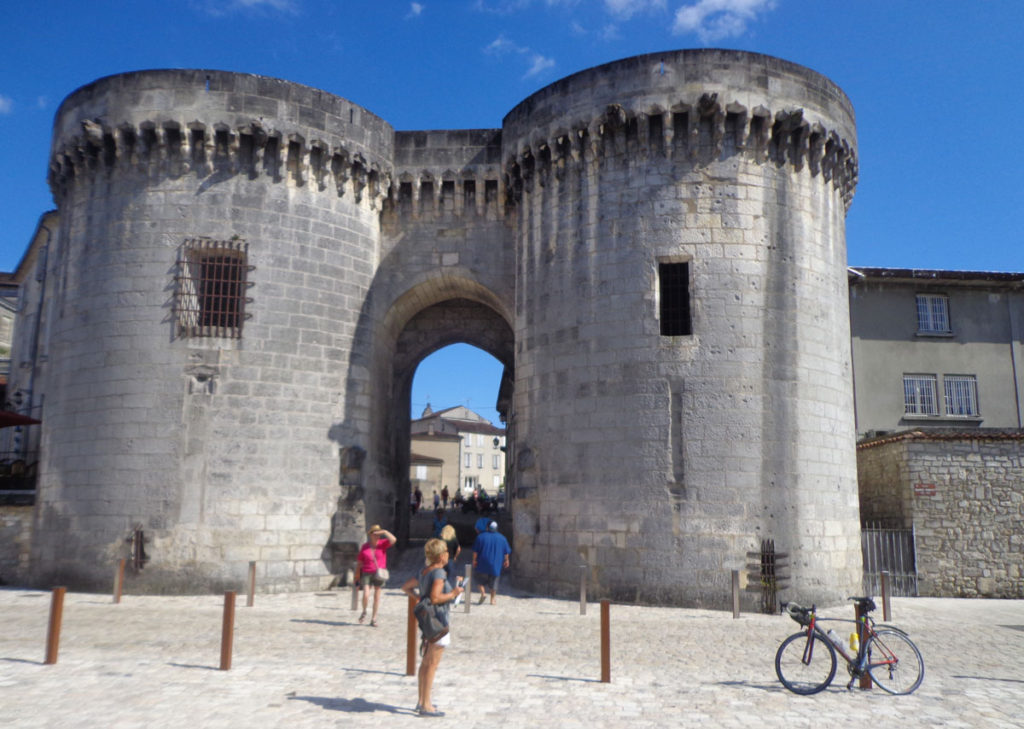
[490,556]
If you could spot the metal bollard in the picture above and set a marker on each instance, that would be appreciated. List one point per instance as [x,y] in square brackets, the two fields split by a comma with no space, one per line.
[410,640]
[227,631]
[355,587]
[735,594]
[606,651]
[118,582]
[53,631]
[583,589]
[251,599]
[467,586]
[886,607]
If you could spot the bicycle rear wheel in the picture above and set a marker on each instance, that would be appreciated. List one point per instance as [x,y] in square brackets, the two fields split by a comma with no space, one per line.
[805,668]
[894,662]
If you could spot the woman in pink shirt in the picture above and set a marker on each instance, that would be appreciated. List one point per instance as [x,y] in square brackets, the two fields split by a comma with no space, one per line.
[372,559]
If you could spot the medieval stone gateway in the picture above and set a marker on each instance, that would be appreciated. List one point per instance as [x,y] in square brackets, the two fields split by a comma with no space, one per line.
[244,274]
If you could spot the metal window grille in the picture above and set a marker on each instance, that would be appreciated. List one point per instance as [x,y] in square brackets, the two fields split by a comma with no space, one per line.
[961,394]
[674,295]
[919,395]
[932,313]
[211,287]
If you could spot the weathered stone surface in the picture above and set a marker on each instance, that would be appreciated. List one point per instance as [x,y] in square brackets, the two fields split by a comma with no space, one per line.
[660,460]
[963,492]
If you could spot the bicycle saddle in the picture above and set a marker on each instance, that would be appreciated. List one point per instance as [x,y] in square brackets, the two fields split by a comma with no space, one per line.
[866,604]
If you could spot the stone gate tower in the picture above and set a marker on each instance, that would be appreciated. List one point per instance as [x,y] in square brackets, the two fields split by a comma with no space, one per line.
[245,273]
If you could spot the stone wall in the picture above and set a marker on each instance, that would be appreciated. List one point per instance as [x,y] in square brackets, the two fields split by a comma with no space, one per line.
[15,535]
[660,458]
[964,495]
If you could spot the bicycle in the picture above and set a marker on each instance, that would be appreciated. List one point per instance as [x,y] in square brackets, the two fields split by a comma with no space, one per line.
[806,661]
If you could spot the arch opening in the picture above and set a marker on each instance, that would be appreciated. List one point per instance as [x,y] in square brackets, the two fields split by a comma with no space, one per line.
[485,340]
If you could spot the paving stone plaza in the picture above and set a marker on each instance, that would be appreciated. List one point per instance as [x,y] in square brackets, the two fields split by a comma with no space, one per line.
[302,660]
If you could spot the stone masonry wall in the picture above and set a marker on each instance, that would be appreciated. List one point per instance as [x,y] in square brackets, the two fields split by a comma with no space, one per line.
[15,537]
[660,460]
[964,495]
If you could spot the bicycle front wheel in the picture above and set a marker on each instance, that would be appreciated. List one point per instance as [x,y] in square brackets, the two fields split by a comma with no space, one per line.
[894,662]
[805,667]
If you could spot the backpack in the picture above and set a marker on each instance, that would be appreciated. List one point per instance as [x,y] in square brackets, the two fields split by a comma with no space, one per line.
[432,619]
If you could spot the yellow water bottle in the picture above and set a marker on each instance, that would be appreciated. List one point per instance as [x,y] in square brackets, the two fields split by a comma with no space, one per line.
[854,642]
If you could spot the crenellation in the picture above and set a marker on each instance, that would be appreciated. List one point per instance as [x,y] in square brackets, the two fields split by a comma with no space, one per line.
[555,226]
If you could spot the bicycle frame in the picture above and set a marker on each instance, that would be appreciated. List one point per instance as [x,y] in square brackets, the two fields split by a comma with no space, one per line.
[879,648]
[858,664]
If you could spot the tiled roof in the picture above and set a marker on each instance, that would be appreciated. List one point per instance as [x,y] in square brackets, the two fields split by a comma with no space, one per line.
[945,434]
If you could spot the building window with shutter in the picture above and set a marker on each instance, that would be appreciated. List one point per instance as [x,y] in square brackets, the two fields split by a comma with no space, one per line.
[961,395]
[919,395]
[932,314]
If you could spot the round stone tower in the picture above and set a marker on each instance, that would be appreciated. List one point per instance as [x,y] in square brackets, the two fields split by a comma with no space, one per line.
[164,424]
[682,383]
[246,273]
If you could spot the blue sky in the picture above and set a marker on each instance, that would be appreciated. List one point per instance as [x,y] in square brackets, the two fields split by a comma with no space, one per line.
[938,88]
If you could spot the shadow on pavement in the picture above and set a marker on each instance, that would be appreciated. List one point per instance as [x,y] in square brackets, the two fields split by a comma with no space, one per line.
[371,670]
[354,706]
[193,665]
[991,678]
[563,678]
[332,623]
[773,687]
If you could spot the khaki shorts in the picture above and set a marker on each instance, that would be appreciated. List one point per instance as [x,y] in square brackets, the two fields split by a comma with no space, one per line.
[370,578]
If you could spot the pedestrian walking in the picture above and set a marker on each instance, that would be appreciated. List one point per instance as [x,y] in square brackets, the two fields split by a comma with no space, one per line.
[490,555]
[373,567]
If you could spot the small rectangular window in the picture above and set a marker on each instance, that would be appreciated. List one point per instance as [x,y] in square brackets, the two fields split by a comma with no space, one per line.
[421,472]
[961,394]
[932,314]
[211,285]
[495,462]
[674,298]
[467,461]
[919,395]
[479,460]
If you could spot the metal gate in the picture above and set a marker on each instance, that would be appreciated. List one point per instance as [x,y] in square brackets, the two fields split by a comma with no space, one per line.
[892,551]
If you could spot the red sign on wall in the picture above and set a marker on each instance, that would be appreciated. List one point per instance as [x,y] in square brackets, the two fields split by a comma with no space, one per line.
[924,489]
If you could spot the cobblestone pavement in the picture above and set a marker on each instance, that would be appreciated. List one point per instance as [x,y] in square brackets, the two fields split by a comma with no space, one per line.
[302,660]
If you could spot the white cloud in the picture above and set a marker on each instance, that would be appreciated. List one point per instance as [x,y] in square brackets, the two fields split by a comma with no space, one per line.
[626,9]
[42,102]
[714,20]
[415,10]
[285,5]
[539,64]
[6,104]
[501,46]
[220,8]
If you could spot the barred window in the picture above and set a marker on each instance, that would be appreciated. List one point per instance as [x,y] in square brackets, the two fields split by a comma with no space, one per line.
[674,297]
[932,314]
[211,286]
[961,394]
[919,395]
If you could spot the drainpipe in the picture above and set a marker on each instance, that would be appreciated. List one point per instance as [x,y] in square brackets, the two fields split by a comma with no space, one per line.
[1014,332]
